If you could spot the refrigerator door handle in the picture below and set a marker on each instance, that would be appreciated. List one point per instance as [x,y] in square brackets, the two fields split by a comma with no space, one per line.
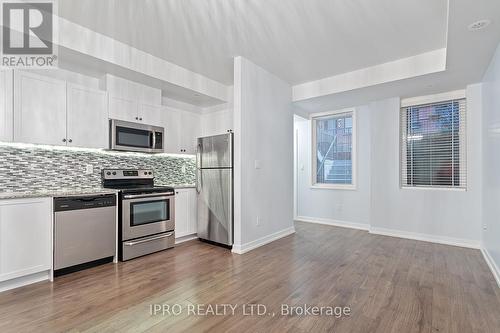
[198,181]
[198,154]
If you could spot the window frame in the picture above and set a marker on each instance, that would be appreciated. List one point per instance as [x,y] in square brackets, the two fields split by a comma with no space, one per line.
[463,140]
[313,118]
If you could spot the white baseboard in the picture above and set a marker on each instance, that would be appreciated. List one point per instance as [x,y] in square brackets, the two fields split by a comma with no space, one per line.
[336,223]
[492,265]
[244,248]
[426,237]
[186,238]
[24,280]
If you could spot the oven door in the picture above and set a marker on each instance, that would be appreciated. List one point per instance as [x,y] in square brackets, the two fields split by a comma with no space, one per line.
[147,214]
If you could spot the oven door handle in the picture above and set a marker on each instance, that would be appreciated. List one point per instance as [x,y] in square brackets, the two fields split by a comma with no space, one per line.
[138,196]
[132,243]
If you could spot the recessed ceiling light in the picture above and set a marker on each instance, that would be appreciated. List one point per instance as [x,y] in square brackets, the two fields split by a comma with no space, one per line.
[478,25]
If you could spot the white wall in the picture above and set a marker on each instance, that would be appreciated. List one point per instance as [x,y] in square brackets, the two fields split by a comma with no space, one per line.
[123,88]
[448,216]
[491,164]
[68,76]
[263,125]
[334,206]
[116,53]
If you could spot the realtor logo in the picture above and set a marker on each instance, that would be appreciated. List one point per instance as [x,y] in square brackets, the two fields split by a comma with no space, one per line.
[28,34]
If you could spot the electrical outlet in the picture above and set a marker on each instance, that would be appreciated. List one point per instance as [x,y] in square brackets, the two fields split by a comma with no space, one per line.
[89,169]
[258,221]
[485,227]
[257,164]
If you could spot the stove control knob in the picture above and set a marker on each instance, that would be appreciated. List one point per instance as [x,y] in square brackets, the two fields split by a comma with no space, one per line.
[150,173]
[108,173]
[145,173]
[114,173]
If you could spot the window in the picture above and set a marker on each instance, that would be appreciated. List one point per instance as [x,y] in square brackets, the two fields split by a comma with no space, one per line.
[433,148]
[333,149]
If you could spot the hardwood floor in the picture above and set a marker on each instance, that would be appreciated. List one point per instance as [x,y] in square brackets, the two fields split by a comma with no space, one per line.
[389,284]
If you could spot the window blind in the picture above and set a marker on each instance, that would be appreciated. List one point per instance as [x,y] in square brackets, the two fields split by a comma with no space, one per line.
[433,145]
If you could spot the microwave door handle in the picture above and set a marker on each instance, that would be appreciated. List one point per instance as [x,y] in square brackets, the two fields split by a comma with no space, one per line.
[153,141]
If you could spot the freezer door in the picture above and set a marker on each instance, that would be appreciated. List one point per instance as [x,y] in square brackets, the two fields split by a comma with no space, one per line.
[215,205]
[215,151]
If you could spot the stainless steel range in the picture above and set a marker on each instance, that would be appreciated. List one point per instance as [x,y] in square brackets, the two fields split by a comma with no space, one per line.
[146,212]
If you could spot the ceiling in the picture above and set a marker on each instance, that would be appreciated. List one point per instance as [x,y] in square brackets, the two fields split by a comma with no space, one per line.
[298,40]
[468,56]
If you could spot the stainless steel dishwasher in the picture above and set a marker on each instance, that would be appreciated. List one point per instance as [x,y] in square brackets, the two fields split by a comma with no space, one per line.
[84,232]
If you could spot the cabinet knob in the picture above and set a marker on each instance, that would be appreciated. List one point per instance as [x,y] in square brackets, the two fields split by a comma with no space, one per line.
[140,118]
[136,118]
[70,140]
[63,140]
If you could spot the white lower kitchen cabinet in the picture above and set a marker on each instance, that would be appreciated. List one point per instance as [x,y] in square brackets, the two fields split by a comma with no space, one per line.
[25,241]
[185,212]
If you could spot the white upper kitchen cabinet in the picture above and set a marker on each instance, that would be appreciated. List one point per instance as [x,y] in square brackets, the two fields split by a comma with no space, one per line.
[39,109]
[6,109]
[151,114]
[25,237]
[191,130]
[182,128]
[134,111]
[87,117]
[171,121]
[123,109]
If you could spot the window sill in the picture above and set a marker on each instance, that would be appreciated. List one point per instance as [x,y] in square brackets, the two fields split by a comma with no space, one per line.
[426,188]
[333,187]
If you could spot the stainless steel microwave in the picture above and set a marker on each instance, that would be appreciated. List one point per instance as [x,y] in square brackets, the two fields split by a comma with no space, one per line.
[129,136]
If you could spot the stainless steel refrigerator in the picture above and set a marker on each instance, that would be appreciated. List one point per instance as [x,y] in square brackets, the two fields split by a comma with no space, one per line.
[214,186]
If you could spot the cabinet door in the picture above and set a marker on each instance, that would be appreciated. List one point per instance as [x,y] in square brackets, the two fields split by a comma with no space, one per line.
[192,207]
[181,213]
[87,115]
[190,123]
[171,121]
[151,114]
[123,109]
[39,109]
[25,237]
[6,111]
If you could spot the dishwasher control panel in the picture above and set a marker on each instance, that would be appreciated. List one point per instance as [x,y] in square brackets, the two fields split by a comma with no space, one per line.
[84,202]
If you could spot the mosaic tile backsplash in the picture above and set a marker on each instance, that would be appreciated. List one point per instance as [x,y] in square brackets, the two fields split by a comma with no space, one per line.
[34,168]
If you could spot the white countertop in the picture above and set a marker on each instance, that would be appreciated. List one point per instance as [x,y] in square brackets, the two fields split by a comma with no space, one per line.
[70,192]
[55,193]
